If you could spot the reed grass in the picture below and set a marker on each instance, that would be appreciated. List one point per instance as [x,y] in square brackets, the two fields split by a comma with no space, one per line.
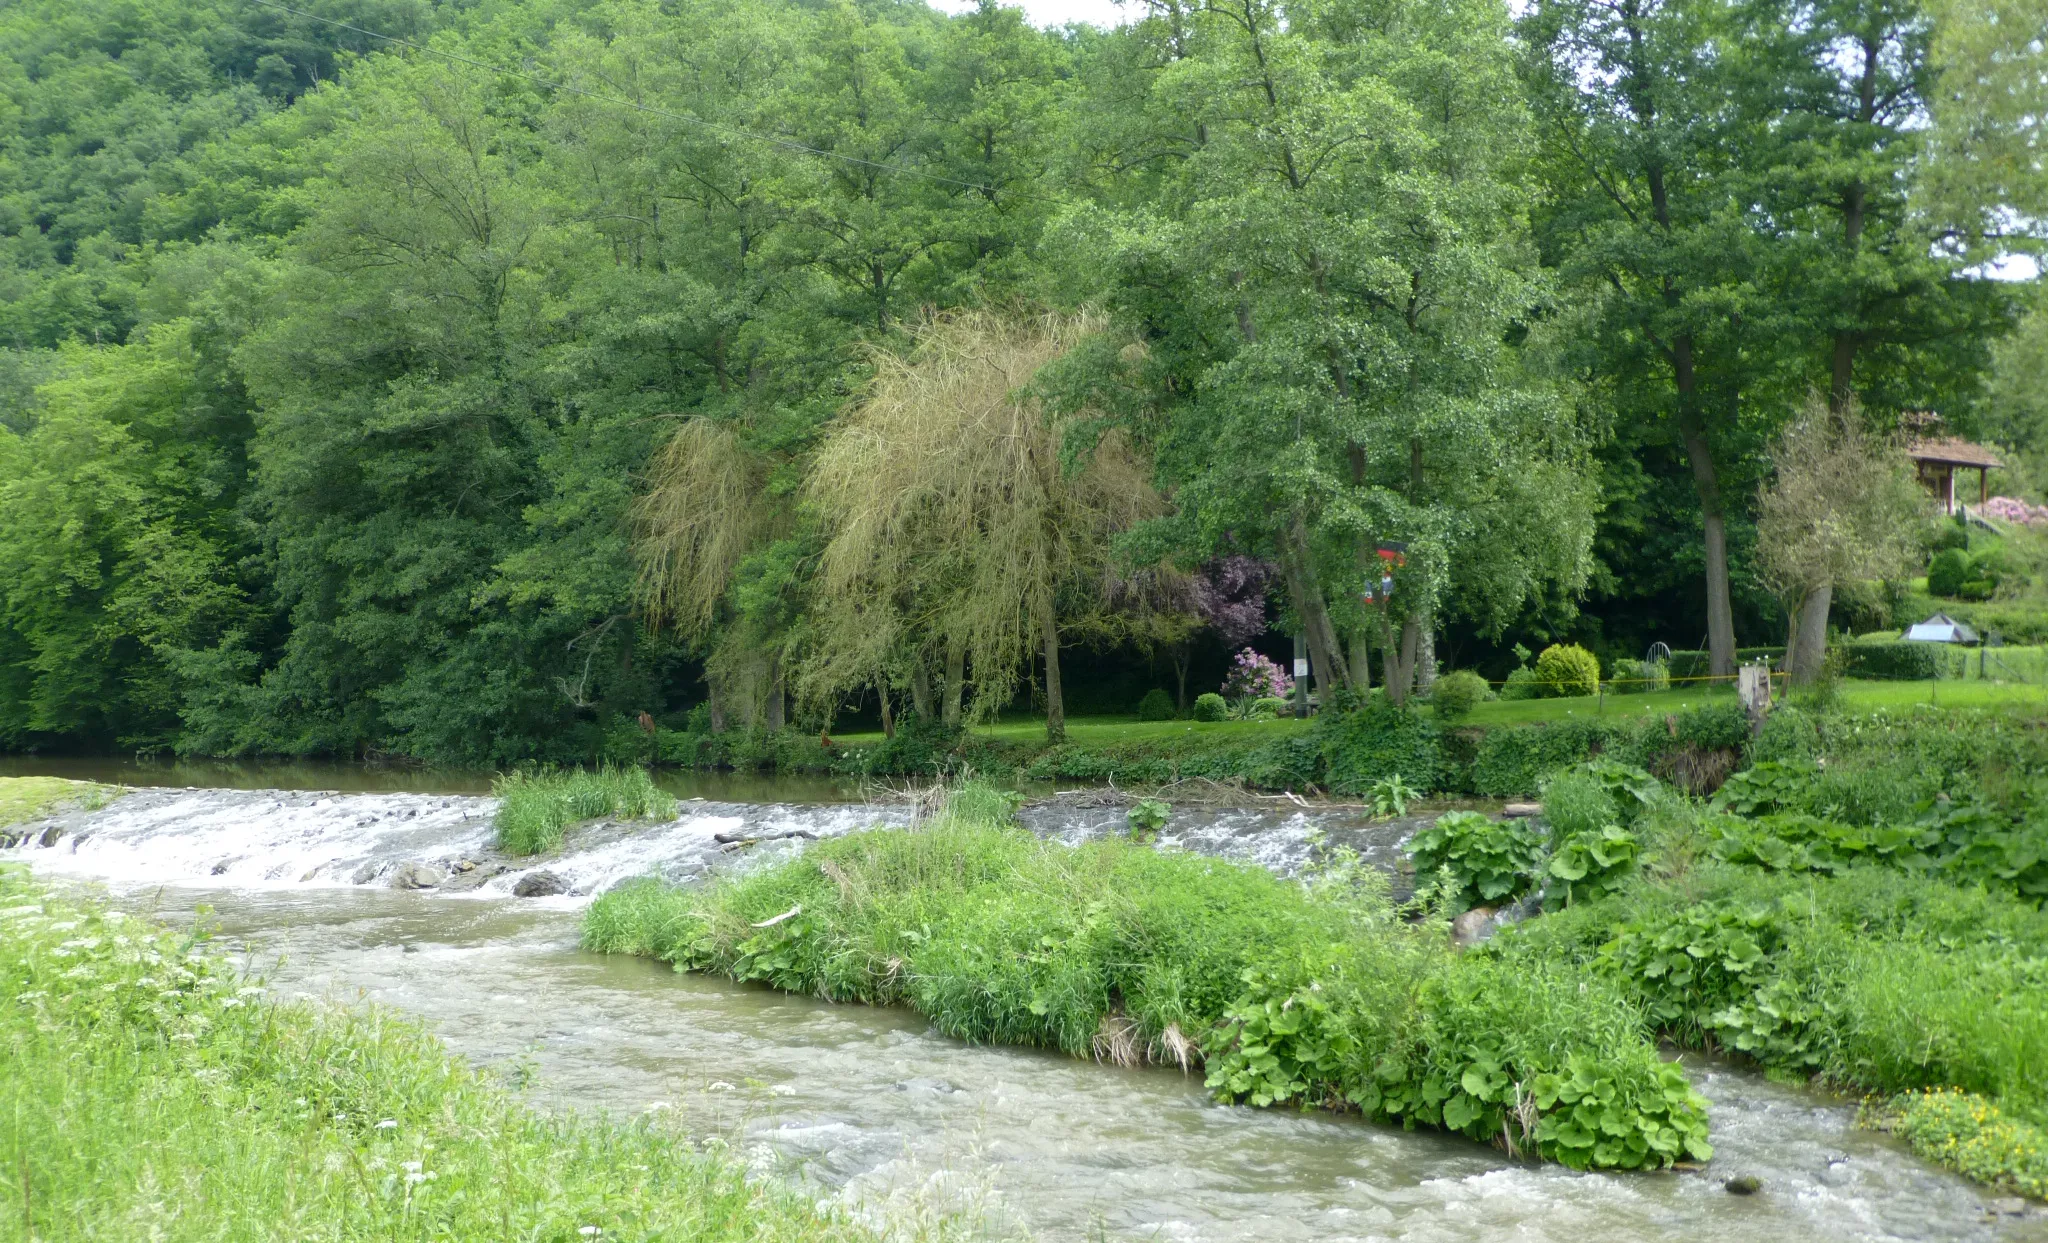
[535,809]
[148,1092]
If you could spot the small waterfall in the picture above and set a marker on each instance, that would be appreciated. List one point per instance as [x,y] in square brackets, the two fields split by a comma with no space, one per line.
[254,840]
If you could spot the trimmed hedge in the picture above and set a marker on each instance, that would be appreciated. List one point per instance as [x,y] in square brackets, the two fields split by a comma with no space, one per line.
[1696,664]
[1900,662]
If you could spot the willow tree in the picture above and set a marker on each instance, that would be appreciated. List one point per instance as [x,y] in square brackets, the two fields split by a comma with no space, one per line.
[1841,507]
[707,510]
[962,517]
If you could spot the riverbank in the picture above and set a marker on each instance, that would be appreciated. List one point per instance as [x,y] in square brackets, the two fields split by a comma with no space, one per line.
[191,1105]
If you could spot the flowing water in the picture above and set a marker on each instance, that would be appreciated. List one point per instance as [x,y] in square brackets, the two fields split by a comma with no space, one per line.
[873,1106]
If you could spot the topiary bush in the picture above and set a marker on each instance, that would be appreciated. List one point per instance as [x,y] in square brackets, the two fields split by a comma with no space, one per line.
[1457,693]
[1157,705]
[1210,706]
[1567,671]
[1947,572]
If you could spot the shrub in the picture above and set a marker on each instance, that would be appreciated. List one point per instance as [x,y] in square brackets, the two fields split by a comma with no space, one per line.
[1591,851]
[1947,571]
[1639,677]
[1252,676]
[1147,816]
[1374,742]
[1692,664]
[1515,760]
[1267,709]
[1157,705]
[1476,859]
[1209,706]
[1893,662]
[1456,693]
[1522,683]
[1566,670]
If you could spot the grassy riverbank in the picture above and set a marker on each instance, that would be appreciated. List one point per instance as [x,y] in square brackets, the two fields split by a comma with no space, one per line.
[147,1092]
[27,798]
[1318,994]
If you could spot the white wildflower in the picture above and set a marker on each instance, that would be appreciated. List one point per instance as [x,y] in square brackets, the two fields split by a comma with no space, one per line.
[388,1124]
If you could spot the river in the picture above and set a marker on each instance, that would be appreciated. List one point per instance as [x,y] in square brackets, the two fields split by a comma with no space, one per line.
[870,1104]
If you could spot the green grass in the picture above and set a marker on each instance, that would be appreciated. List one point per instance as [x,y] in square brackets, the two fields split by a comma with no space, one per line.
[535,810]
[26,798]
[1317,994]
[147,1092]
[1101,730]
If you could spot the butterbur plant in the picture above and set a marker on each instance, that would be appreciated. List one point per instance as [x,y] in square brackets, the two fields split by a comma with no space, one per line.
[1252,678]
[1481,860]
[1146,817]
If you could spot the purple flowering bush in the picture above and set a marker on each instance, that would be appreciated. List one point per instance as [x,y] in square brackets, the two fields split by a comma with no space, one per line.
[1253,677]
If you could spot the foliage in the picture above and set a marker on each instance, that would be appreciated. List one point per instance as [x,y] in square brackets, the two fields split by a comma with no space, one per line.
[191,1101]
[1639,677]
[1522,683]
[1314,994]
[1253,677]
[1456,693]
[1147,816]
[1566,670]
[1947,572]
[536,808]
[1157,705]
[1391,796]
[1377,741]
[1969,1134]
[1475,860]
[1688,665]
[1211,707]
[1591,852]
[1896,662]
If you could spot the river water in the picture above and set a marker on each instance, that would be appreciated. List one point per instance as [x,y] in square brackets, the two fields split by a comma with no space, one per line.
[872,1106]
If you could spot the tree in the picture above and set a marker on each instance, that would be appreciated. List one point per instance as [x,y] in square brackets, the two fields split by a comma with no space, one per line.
[1988,171]
[1841,506]
[959,513]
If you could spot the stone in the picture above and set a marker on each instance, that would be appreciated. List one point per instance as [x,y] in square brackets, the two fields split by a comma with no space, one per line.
[1518,811]
[51,834]
[539,885]
[417,876]
[1744,1185]
[1473,927]
[365,874]
[2009,1206]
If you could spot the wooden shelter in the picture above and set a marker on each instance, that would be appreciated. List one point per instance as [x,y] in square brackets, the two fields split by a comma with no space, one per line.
[1939,458]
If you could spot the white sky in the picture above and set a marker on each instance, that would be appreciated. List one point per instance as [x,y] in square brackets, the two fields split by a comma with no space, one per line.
[1058,12]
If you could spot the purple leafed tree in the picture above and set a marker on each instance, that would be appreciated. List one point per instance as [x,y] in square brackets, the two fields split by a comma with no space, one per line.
[1230,594]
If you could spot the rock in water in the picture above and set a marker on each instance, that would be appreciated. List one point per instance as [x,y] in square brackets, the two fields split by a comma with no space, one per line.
[1744,1185]
[416,876]
[1473,926]
[538,885]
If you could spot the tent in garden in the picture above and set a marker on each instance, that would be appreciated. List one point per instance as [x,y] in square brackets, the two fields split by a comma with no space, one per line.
[1940,628]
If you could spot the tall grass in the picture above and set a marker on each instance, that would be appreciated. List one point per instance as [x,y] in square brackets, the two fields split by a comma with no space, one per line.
[535,809]
[148,1093]
[1319,994]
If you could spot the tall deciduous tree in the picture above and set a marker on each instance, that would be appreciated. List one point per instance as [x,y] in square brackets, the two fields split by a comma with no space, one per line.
[956,515]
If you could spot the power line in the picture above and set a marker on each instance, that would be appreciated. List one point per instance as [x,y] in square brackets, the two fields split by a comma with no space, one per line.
[727,130]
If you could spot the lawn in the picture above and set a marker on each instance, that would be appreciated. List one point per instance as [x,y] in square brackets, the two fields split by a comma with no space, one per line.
[1856,694]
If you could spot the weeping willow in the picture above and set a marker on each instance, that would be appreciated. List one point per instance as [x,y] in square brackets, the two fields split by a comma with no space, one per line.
[954,524]
[707,509]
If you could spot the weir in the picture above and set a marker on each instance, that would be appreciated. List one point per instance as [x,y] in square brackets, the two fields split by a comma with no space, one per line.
[876,1109]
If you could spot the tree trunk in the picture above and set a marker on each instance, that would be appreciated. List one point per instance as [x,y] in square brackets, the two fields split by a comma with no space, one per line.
[1425,662]
[888,716]
[1361,664]
[1183,656]
[1713,522]
[1397,657]
[1411,638]
[1055,706]
[956,681]
[1809,650]
[921,691]
[1326,656]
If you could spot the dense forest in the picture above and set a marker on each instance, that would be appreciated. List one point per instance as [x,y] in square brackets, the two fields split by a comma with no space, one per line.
[458,378]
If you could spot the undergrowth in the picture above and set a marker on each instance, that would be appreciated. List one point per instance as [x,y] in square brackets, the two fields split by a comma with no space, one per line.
[148,1092]
[535,809]
[1316,994]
